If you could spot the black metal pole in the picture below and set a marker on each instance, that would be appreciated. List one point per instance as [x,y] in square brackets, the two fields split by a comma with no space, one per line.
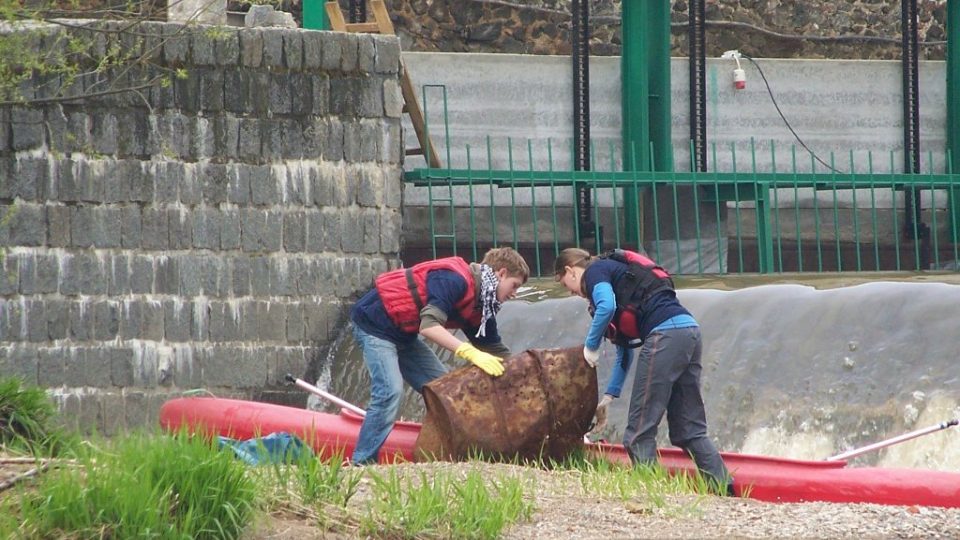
[914,229]
[580,41]
[696,38]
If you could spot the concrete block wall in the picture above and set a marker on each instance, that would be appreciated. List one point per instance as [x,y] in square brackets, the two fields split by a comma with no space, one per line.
[516,104]
[209,235]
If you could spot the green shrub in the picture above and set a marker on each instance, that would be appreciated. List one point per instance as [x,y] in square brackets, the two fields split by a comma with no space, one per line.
[27,418]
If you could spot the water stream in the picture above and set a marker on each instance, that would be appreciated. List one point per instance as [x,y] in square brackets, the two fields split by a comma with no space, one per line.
[803,368]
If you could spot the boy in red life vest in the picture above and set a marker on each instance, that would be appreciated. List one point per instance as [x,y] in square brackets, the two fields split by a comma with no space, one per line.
[633,303]
[410,305]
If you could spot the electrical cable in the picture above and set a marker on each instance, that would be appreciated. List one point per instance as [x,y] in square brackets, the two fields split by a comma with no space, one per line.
[782,116]
[877,39]
[613,19]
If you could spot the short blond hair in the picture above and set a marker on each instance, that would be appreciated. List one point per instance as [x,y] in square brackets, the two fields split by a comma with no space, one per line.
[509,258]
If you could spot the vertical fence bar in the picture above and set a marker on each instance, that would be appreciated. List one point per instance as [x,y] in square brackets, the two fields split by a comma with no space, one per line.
[656,212]
[816,217]
[776,207]
[836,211]
[493,200]
[513,195]
[446,118]
[896,233]
[873,212]
[533,208]
[473,213]
[856,221]
[553,198]
[614,187]
[575,183]
[952,202]
[716,205]
[758,218]
[796,206]
[597,229]
[430,211]
[634,192]
[676,218]
[933,212]
[696,203]
[762,206]
[736,206]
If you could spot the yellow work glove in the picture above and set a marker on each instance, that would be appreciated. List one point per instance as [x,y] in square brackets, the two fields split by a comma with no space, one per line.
[485,361]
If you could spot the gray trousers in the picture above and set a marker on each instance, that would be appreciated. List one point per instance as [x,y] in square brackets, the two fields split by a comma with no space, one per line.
[667,380]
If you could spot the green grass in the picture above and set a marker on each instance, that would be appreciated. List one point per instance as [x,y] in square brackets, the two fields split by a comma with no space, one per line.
[652,484]
[28,420]
[312,488]
[138,487]
[443,506]
[178,487]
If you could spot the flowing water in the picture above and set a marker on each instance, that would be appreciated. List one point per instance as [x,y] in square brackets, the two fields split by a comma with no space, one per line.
[804,368]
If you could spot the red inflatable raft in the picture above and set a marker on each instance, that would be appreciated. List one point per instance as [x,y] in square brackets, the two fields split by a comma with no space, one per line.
[762,478]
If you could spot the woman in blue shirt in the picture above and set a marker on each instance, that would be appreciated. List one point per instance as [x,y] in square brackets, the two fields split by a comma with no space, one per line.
[633,303]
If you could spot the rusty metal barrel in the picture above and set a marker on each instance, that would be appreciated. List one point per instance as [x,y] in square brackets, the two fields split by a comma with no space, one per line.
[539,408]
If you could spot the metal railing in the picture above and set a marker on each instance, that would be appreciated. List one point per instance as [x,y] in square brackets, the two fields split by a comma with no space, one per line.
[805,217]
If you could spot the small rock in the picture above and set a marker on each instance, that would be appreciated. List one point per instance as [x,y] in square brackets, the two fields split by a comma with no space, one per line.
[262,15]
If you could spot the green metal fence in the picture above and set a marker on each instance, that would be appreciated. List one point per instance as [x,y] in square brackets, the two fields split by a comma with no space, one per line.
[788,211]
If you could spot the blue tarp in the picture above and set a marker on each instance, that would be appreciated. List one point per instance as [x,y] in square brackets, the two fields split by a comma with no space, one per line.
[277,447]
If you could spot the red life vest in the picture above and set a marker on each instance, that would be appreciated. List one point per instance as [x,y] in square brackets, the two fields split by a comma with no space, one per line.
[642,279]
[404,293]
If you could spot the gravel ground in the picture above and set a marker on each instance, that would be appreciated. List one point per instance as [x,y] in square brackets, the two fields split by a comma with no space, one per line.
[565,510]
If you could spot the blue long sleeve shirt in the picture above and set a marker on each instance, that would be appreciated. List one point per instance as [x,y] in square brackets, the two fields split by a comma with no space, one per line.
[662,310]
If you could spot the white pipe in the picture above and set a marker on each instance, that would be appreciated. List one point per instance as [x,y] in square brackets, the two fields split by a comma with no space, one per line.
[326,395]
[889,442]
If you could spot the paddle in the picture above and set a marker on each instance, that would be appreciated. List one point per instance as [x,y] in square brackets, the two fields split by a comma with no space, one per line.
[889,442]
[325,395]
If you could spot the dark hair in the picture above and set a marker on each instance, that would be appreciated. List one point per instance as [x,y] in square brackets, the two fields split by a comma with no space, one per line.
[571,257]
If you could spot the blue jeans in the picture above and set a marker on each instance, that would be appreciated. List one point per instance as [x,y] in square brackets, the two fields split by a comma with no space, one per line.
[389,365]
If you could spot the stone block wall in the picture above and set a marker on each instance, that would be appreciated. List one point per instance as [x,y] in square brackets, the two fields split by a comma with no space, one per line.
[760,28]
[206,234]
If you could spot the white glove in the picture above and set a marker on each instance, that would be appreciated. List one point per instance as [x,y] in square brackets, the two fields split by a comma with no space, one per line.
[591,356]
[601,414]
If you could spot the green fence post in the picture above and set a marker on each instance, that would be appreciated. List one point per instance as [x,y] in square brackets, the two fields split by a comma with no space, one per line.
[314,16]
[953,106]
[658,77]
[634,101]
[764,236]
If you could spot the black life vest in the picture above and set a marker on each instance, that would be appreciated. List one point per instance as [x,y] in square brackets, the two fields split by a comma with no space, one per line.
[642,279]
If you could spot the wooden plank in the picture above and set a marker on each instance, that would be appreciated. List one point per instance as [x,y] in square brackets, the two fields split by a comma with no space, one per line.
[337,22]
[382,17]
[416,118]
[364,27]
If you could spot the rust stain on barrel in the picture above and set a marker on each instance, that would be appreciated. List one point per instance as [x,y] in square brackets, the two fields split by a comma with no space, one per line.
[540,407]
